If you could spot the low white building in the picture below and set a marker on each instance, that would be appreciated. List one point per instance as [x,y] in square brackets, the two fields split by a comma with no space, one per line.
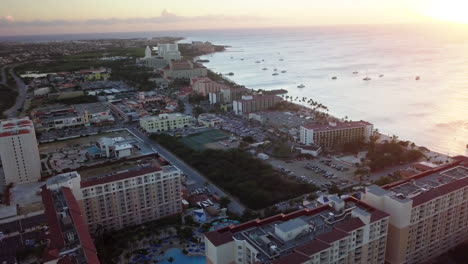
[164,122]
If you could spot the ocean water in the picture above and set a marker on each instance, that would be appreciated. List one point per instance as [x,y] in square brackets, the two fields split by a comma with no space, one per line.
[431,112]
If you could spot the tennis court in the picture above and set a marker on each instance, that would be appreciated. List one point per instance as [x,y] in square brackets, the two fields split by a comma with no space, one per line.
[198,141]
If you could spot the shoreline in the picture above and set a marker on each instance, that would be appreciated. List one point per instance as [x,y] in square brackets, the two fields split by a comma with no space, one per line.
[303,106]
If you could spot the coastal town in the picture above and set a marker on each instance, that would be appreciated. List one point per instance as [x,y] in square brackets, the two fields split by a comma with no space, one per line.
[134,151]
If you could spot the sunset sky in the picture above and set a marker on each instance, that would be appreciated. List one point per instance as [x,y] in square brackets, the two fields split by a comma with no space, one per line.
[20,17]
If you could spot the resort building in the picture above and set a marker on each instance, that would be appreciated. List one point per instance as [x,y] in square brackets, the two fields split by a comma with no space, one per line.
[165,54]
[183,69]
[205,85]
[340,231]
[169,51]
[70,240]
[19,151]
[253,103]
[209,120]
[226,95]
[332,134]
[428,212]
[140,191]
[164,122]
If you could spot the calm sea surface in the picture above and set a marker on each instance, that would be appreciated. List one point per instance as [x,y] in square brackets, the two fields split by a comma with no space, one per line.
[432,112]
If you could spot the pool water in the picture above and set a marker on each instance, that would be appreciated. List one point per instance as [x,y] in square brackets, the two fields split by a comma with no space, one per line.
[180,258]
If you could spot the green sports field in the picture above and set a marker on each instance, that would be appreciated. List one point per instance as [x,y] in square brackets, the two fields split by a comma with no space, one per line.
[198,141]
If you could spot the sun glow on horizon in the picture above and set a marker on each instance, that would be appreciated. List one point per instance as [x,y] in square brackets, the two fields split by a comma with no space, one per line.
[447,10]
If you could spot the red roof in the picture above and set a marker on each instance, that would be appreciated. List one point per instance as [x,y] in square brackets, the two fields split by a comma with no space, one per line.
[378,215]
[332,236]
[118,177]
[350,225]
[81,227]
[294,258]
[218,238]
[224,235]
[55,232]
[312,247]
[339,125]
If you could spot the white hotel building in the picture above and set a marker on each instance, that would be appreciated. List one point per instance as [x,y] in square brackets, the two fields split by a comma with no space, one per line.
[19,151]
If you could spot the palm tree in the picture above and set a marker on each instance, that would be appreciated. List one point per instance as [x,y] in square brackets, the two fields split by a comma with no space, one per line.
[170,259]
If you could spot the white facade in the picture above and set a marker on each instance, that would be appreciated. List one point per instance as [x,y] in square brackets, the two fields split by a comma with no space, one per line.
[169,51]
[164,122]
[19,151]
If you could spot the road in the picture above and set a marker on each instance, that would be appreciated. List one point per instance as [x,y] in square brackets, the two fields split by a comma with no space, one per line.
[3,81]
[13,111]
[234,207]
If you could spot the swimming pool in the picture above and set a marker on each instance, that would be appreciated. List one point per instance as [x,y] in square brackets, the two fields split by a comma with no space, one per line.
[180,258]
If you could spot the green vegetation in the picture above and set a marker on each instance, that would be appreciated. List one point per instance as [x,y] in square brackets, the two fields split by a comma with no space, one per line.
[218,77]
[133,75]
[389,154]
[387,179]
[284,106]
[255,183]
[111,245]
[7,98]
[198,141]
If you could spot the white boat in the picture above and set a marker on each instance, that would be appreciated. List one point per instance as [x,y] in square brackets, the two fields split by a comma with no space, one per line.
[367,79]
[334,78]
[257,62]
[264,69]
[274,74]
[355,72]
[275,69]
[418,78]
[301,86]
[381,75]
[283,71]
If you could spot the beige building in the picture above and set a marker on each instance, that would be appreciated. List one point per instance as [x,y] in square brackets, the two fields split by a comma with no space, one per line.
[164,122]
[329,135]
[428,212]
[341,231]
[19,151]
[253,103]
[209,120]
[183,69]
[205,85]
[146,191]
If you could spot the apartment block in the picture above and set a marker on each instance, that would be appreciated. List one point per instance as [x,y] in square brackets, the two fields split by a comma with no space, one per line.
[341,231]
[164,122]
[19,151]
[253,103]
[144,190]
[205,85]
[331,134]
[428,212]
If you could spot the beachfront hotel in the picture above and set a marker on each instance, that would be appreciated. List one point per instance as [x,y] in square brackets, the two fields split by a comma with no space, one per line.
[428,212]
[139,191]
[19,151]
[328,135]
[205,85]
[340,231]
[253,103]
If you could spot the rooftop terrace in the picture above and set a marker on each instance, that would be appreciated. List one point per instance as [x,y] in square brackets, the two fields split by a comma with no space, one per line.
[281,235]
[429,184]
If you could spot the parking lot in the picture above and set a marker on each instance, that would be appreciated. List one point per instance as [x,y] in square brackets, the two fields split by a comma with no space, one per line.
[322,172]
[242,128]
